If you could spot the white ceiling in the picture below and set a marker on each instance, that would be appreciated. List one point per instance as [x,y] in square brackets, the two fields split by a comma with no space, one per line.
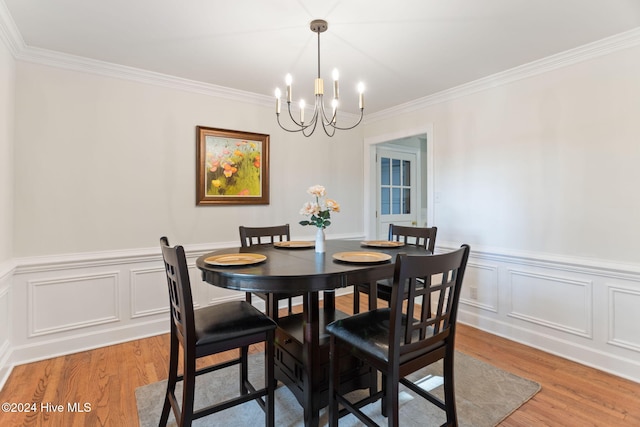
[402,51]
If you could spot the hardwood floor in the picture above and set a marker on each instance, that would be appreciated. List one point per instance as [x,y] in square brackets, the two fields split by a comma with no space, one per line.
[106,379]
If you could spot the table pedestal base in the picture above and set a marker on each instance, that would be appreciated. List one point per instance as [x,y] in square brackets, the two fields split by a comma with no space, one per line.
[306,373]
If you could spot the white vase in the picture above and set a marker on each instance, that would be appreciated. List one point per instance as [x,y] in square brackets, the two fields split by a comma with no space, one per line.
[320,240]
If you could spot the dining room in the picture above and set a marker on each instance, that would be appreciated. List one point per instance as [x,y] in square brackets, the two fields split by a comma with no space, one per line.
[532,162]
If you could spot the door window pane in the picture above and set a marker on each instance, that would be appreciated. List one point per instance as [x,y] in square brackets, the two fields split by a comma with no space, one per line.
[406,173]
[385,172]
[406,201]
[385,202]
[395,171]
[396,201]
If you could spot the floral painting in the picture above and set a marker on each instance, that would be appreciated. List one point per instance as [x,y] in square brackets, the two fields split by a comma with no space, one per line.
[232,167]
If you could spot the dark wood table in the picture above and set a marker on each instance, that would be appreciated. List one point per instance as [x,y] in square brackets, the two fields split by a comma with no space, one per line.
[302,350]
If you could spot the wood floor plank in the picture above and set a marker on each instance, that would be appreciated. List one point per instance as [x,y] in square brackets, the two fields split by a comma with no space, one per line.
[106,378]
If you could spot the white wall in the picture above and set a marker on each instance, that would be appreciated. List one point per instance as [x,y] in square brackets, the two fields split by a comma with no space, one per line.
[546,164]
[540,176]
[7,102]
[105,164]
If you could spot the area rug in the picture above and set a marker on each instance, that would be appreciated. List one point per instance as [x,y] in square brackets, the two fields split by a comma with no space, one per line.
[485,395]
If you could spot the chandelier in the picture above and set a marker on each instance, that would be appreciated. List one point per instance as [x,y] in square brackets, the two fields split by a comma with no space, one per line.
[328,121]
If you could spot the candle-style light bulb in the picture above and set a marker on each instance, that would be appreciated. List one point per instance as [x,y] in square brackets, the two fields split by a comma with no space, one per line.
[361,97]
[335,76]
[288,79]
[302,111]
[278,100]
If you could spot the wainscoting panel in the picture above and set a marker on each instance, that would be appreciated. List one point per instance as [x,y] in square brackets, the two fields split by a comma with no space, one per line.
[5,328]
[624,329]
[480,286]
[585,311]
[148,292]
[75,302]
[5,332]
[554,301]
[67,303]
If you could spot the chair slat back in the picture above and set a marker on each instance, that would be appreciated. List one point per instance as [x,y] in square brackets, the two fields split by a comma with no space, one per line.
[423,237]
[180,298]
[413,330]
[250,236]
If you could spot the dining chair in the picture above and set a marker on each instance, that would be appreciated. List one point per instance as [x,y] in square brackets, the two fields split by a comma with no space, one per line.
[422,237]
[398,341]
[250,236]
[207,331]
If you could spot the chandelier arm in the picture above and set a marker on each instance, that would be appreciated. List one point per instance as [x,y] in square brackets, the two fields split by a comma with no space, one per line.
[299,125]
[291,116]
[326,121]
[302,128]
[313,129]
[353,126]
[284,128]
[313,121]
[332,128]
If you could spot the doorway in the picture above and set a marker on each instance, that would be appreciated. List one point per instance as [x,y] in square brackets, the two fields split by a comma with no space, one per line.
[399,189]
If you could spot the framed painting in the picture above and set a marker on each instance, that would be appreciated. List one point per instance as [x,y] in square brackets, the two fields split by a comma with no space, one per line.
[232,167]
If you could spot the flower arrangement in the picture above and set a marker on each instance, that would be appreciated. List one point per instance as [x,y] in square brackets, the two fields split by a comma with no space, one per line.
[320,209]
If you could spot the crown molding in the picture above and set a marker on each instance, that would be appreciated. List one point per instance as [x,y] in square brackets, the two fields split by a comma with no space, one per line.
[595,49]
[9,33]
[13,39]
[107,69]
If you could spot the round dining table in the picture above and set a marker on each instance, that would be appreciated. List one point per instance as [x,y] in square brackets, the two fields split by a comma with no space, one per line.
[302,350]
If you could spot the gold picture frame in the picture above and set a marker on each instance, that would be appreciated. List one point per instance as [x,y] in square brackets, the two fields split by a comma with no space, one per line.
[232,167]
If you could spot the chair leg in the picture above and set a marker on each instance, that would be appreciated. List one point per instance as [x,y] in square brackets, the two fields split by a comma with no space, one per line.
[269,377]
[393,407]
[356,299]
[449,390]
[171,380]
[188,390]
[334,381]
[373,381]
[384,399]
[272,306]
[244,369]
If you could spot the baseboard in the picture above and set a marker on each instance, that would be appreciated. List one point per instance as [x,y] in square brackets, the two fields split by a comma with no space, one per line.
[620,366]
[87,341]
[5,366]
[6,279]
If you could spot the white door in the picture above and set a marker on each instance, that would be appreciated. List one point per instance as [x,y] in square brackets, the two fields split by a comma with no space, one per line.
[396,190]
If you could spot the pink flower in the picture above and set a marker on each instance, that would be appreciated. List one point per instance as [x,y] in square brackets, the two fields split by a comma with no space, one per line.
[332,205]
[310,209]
[317,190]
